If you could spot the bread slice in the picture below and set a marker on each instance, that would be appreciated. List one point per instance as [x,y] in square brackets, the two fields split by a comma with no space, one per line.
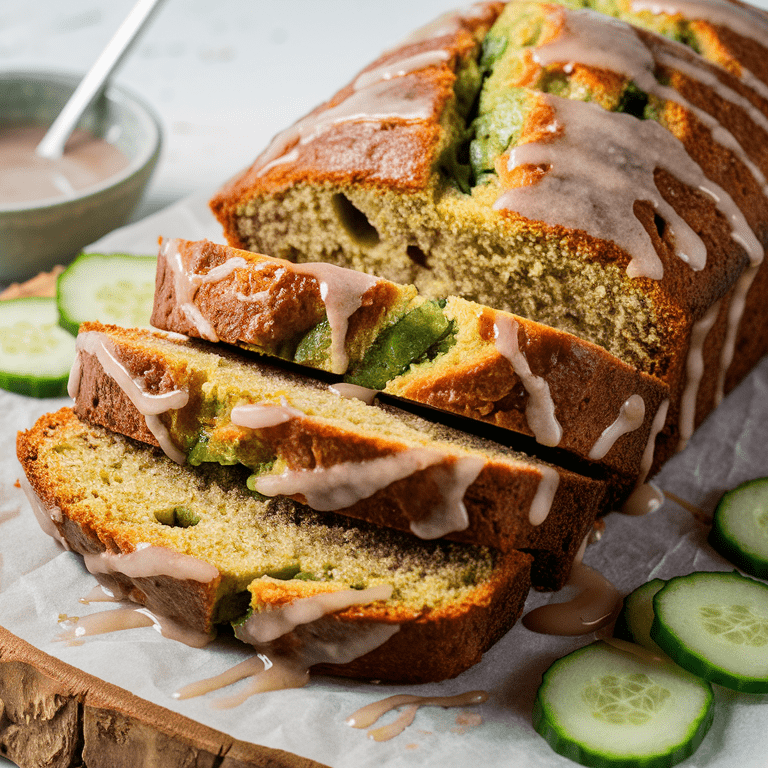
[397,175]
[301,439]
[453,355]
[192,545]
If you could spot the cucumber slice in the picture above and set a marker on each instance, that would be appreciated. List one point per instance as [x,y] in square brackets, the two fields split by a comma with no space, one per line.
[636,617]
[716,626]
[35,353]
[740,527]
[603,707]
[112,288]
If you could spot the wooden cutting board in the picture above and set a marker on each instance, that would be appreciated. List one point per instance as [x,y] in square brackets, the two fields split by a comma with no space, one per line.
[55,715]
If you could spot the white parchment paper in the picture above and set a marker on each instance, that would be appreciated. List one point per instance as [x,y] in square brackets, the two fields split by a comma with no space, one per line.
[39,581]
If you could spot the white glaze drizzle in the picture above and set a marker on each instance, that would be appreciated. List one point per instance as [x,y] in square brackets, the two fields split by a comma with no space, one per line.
[400,67]
[148,405]
[354,392]
[735,312]
[370,713]
[129,617]
[379,102]
[272,622]
[646,497]
[147,560]
[594,40]
[342,485]
[545,495]
[540,409]
[595,605]
[45,516]
[631,417]
[745,21]
[263,415]
[342,292]
[694,371]
[276,667]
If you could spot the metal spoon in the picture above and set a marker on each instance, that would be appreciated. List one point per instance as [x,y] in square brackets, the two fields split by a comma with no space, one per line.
[52,144]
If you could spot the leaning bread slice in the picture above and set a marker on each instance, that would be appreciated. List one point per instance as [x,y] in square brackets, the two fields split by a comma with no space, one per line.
[193,546]
[301,439]
[454,355]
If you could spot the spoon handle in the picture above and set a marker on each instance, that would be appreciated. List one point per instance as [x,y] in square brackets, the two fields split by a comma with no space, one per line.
[52,144]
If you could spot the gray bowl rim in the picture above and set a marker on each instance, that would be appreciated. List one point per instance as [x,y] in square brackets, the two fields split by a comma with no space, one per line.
[115,92]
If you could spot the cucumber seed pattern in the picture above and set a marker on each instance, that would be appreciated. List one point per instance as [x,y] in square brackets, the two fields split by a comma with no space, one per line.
[738,624]
[625,700]
[24,337]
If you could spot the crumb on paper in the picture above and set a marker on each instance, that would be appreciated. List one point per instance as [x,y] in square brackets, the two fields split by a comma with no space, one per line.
[17,484]
[412,746]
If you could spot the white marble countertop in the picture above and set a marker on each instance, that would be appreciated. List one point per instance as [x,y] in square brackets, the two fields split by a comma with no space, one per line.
[223,76]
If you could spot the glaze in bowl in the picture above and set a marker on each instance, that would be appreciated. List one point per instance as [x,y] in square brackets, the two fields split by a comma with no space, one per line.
[37,235]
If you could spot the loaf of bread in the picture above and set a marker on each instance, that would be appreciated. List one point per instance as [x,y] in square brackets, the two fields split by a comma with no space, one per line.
[194,547]
[453,355]
[299,438]
[601,174]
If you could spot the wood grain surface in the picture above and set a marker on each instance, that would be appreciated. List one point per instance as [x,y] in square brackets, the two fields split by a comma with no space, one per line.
[53,715]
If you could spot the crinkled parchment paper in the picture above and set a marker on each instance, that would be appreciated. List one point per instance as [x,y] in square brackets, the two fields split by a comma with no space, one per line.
[38,582]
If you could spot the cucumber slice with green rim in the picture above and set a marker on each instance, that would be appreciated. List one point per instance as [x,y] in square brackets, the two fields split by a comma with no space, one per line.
[35,353]
[604,707]
[715,625]
[740,527]
[115,288]
[636,617]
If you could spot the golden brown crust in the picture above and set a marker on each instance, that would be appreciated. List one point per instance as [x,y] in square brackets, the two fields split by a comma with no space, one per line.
[498,501]
[401,156]
[430,645]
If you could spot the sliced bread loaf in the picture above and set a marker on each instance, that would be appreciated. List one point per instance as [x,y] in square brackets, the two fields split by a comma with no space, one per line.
[301,439]
[192,545]
[454,355]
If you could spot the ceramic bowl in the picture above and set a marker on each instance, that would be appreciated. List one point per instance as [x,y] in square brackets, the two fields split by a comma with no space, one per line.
[36,235]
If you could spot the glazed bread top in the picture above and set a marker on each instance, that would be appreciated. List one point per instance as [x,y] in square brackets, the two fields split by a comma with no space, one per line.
[609,180]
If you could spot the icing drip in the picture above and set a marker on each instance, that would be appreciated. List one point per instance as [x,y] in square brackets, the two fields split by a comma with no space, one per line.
[148,405]
[147,560]
[646,497]
[380,102]
[593,40]
[354,392]
[735,312]
[369,714]
[341,485]
[595,605]
[400,67]
[45,516]
[540,410]
[263,415]
[545,494]
[742,19]
[631,417]
[279,665]
[186,285]
[118,619]
[694,371]
[342,293]
[272,622]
